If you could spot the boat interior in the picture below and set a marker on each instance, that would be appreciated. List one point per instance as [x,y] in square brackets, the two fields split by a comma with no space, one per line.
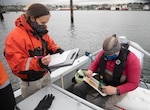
[63,80]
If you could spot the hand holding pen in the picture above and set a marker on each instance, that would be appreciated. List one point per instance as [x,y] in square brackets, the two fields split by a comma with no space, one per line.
[46,59]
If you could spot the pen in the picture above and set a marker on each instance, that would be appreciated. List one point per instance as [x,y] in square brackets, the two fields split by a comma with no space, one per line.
[73,55]
[38,56]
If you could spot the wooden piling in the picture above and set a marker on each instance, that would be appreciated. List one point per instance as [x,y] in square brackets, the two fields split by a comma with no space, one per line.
[71,11]
[1,16]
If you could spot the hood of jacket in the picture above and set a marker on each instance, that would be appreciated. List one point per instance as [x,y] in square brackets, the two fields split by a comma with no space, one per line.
[22,23]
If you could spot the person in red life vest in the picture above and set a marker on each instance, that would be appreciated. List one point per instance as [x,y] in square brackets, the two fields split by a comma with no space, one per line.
[7,100]
[118,68]
[28,47]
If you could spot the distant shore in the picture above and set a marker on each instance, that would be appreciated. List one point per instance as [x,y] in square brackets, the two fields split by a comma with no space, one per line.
[111,7]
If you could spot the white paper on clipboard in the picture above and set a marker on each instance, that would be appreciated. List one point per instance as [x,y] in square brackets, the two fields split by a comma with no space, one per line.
[65,59]
[59,58]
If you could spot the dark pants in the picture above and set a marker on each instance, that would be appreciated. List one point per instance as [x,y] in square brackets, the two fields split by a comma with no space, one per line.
[107,102]
[7,100]
[81,89]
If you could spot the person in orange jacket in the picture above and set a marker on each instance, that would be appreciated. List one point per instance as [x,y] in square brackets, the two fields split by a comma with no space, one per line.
[7,100]
[28,47]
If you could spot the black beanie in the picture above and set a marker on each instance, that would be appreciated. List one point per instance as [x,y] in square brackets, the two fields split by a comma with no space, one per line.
[37,10]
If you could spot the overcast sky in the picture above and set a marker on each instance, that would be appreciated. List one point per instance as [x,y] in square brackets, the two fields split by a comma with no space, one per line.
[24,2]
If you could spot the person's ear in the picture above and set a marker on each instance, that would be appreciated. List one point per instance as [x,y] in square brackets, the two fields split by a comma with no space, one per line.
[32,19]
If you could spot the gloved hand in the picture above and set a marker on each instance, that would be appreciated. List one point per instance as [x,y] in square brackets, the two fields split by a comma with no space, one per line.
[60,51]
[45,103]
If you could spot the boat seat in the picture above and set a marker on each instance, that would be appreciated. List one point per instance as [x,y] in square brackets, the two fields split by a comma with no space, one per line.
[139,99]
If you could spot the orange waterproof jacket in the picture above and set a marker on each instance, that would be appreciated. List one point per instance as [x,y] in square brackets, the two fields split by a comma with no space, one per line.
[17,45]
[3,74]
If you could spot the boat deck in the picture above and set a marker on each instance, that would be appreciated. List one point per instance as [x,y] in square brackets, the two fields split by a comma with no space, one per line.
[63,100]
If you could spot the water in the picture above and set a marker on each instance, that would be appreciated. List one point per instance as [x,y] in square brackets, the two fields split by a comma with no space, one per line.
[88,31]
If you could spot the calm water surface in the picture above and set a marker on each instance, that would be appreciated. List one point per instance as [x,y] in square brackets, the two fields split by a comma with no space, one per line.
[88,31]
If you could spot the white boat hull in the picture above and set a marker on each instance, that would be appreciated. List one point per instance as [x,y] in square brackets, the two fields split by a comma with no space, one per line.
[138,99]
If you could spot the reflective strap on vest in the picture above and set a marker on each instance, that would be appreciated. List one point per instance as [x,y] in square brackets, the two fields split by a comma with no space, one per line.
[28,63]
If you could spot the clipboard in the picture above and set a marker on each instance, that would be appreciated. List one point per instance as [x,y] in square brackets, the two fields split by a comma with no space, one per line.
[69,60]
[94,83]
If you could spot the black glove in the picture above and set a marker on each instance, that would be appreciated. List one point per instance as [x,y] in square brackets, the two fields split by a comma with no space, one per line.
[60,51]
[45,103]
